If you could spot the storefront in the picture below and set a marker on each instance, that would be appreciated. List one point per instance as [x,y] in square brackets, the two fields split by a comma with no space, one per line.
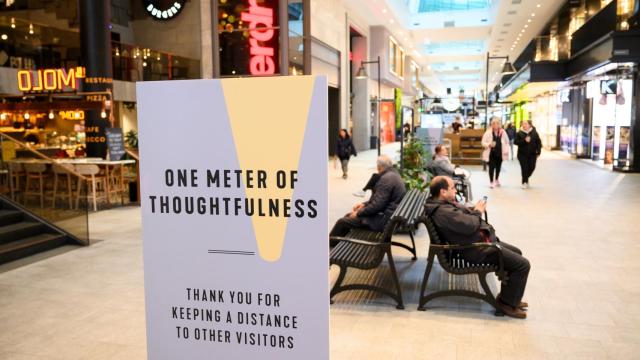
[611,113]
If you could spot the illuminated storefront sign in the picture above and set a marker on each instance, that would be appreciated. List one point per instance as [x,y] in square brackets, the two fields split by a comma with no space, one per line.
[71,115]
[249,37]
[163,10]
[261,21]
[49,80]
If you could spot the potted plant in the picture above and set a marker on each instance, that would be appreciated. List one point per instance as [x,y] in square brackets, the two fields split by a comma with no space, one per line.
[414,159]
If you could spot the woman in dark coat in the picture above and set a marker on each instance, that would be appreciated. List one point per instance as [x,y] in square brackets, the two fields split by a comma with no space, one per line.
[344,150]
[529,148]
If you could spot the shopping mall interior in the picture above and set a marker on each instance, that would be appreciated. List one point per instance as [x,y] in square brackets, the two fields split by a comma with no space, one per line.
[521,116]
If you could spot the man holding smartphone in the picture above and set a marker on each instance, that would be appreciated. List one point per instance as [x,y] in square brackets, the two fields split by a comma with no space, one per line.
[461,225]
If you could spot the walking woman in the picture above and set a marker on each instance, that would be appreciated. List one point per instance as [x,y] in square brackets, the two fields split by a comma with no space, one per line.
[496,149]
[529,148]
[344,150]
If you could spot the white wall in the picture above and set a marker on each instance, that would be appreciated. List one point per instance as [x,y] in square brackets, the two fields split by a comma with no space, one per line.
[330,22]
[179,36]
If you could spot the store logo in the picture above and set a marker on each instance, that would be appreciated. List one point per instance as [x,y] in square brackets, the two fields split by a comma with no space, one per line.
[160,10]
[260,19]
[49,79]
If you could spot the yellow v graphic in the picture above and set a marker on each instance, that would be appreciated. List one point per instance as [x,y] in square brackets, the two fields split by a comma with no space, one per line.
[268,119]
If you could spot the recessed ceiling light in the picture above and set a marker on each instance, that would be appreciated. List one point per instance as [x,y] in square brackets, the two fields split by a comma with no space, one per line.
[384,11]
[526,25]
[533,14]
[529,20]
[391,21]
[538,5]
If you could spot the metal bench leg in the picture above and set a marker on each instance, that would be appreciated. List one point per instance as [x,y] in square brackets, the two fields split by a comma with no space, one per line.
[423,288]
[336,287]
[489,297]
[394,273]
[413,246]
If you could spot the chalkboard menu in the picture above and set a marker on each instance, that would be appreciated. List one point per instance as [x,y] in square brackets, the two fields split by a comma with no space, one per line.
[115,143]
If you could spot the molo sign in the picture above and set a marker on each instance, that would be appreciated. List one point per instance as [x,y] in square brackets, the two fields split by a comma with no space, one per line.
[263,36]
[50,79]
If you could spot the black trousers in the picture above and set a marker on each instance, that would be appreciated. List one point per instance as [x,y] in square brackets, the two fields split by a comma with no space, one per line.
[343,226]
[516,266]
[527,166]
[495,163]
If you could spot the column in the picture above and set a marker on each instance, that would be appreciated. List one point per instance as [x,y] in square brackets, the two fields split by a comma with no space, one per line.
[95,42]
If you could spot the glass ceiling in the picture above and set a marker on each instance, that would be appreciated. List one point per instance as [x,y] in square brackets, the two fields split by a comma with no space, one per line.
[426,6]
[456,47]
[456,66]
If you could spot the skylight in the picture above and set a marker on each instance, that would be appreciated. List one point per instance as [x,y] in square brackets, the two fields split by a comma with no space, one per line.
[426,6]
[456,47]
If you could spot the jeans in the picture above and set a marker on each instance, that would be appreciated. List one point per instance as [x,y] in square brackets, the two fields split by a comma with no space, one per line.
[345,166]
[495,163]
[516,266]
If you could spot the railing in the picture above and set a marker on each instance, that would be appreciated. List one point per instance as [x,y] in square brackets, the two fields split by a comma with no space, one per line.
[54,191]
[134,63]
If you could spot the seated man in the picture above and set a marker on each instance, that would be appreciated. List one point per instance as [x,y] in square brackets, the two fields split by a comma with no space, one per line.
[441,165]
[460,225]
[374,214]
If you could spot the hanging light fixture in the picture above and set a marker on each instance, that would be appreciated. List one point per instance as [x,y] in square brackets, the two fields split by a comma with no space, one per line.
[507,68]
[26,116]
[51,115]
[103,114]
[362,72]
[13,23]
[31,29]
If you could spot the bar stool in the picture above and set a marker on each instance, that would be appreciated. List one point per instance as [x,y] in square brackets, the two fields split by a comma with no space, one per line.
[16,173]
[62,172]
[116,182]
[36,174]
[97,183]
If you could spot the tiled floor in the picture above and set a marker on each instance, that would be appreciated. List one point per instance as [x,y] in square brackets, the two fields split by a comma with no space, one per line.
[576,225]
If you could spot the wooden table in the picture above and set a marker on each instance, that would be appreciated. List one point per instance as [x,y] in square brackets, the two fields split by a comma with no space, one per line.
[107,164]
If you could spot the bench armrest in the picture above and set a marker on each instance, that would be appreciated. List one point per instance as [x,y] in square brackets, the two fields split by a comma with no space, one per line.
[479,245]
[360,242]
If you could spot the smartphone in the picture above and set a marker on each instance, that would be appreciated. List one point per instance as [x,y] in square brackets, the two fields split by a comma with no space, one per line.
[485,198]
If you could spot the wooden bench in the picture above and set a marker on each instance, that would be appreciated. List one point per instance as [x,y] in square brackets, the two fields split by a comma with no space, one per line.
[365,249]
[450,259]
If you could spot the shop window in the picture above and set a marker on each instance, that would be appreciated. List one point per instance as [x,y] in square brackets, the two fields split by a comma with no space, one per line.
[396,58]
[249,39]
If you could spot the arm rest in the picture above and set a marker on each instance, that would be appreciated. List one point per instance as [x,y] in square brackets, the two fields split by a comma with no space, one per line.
[360,242]
[496,247]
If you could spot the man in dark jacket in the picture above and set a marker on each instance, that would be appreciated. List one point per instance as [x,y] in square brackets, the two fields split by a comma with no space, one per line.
[460,225]
[374,214]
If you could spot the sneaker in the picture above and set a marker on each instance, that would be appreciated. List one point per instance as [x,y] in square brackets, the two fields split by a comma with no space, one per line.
[360,193]
[524,186]
[527,184]
[344,176]
[492,185]
[497,182]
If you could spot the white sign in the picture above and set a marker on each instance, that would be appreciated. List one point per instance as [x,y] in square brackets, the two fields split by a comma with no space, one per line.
[234,214]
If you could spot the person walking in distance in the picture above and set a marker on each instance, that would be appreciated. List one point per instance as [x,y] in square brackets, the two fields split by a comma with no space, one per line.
[529,148]
[496,149]
[511,132]
[344,150]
